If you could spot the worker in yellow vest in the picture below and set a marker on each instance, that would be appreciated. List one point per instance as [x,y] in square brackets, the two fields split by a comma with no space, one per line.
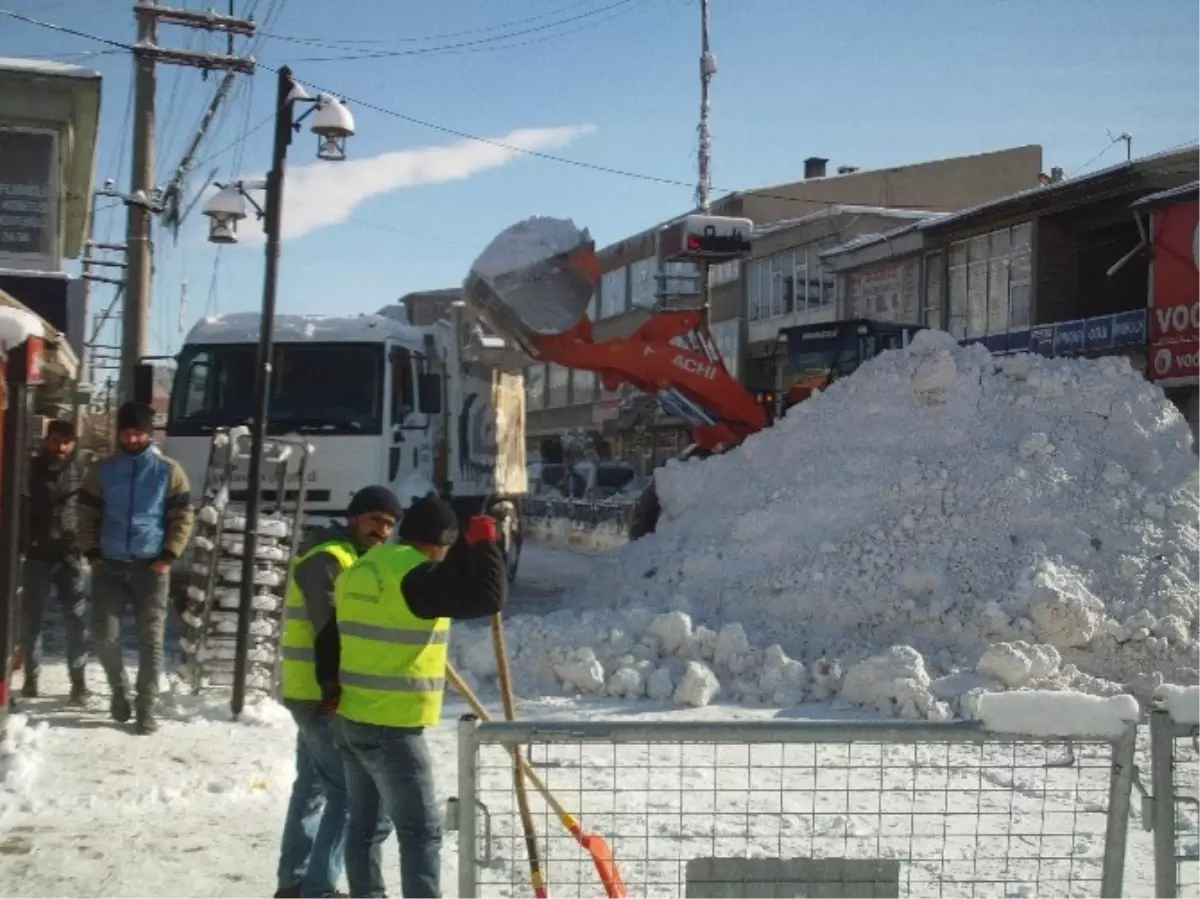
[314,833]
[394,608]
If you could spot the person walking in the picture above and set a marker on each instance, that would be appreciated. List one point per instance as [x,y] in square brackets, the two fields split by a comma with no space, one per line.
[134,520]
[314,832]
[382,662]
[53,560]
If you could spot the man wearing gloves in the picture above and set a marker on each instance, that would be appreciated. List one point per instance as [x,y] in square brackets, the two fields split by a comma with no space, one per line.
[134,519]
[314,833]
[387,673]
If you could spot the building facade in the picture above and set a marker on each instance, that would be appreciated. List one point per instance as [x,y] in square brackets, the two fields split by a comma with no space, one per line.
[783,283]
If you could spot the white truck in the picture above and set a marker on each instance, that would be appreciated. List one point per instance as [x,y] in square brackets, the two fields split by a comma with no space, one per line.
[380,402]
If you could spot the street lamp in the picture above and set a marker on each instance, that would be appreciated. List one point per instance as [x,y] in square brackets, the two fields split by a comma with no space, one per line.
[333,124]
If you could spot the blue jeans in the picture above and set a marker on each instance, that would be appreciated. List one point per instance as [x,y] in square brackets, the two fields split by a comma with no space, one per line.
[314,835]
[69,581]
[389,780]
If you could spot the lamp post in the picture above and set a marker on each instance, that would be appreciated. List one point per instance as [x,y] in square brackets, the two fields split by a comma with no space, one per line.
[332,123]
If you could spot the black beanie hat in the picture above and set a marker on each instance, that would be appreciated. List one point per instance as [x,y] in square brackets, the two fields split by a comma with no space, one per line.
[135,415]
[429,520]
[57,427]
[374,499]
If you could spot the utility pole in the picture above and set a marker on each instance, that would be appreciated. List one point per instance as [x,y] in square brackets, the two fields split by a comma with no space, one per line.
[708,68]
[142,199]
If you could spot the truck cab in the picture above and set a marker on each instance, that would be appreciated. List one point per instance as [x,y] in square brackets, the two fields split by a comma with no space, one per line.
[380,401]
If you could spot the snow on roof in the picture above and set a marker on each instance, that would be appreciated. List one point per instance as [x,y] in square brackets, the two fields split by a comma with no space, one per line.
[242,327]
[866,240]
[47,67]
[1043,190]
[843,209]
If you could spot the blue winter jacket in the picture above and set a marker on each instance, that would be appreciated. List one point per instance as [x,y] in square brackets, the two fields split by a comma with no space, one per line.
[135,507]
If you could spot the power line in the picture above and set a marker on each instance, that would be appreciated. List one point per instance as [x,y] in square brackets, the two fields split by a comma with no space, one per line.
[335,44]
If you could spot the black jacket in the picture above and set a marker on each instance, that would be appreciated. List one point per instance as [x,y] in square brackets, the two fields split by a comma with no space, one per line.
[472,582]
[51,521]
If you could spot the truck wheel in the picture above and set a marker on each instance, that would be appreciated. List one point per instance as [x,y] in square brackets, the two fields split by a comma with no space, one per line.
[645,514]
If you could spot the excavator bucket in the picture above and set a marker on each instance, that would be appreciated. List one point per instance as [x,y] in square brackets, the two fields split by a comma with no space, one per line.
[535,280]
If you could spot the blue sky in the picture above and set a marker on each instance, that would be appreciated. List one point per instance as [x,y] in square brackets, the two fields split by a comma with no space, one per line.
[612,83]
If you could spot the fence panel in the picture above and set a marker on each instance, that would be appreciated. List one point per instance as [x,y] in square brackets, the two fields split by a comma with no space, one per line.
[1174,773]
[865,808]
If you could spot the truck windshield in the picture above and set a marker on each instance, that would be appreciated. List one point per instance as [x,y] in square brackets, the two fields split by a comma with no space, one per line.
[316,388]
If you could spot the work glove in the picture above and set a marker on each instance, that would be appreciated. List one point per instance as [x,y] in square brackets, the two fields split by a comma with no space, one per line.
[330,693]
[481,528]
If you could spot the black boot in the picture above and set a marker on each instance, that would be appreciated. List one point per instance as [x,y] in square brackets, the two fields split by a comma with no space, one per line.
[292,892]
[79,691]
[146,723]
[29,689]
[119,708]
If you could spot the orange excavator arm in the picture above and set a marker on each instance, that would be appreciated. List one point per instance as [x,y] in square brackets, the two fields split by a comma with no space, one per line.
[648,360]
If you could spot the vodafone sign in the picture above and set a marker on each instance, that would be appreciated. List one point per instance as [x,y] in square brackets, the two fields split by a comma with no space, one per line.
[1175,296]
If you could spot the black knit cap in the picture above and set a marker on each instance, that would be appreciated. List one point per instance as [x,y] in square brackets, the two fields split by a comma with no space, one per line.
[57,427]
[429,520]
[135,415]
[374,499]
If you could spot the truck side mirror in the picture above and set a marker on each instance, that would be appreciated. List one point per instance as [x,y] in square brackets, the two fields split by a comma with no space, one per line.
[429,393]
[143,383]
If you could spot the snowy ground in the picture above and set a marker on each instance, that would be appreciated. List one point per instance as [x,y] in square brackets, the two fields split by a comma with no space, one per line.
[196,810]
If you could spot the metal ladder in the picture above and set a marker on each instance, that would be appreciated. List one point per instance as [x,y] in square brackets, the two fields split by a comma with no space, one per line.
[208,641]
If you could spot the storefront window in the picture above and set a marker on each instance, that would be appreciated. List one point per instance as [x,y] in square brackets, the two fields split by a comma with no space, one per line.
[583,387]
[641,283]
[613,293]
[934,289]
[559,381]
[990,283]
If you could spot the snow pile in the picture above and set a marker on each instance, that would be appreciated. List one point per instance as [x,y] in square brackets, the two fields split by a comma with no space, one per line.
[20,759]
[940,525]
[1181,703]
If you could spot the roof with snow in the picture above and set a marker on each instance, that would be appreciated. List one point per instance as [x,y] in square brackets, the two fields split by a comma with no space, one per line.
[844,209]
[47,67]
[242,327]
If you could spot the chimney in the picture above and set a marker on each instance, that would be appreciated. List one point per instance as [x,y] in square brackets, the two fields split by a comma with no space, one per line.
[847,169]
[814,167]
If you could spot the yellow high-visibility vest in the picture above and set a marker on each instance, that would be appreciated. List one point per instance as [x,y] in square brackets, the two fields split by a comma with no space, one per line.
[393,667]
[297,643]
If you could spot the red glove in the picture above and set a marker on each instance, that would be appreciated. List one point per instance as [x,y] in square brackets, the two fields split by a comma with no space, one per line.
[482,528]
[331,693]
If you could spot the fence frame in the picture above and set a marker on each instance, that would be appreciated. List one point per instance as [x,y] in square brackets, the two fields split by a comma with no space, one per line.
[472,734]
[1164,731]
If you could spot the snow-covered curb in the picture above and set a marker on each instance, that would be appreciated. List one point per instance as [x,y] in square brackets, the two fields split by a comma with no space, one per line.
[1050,713]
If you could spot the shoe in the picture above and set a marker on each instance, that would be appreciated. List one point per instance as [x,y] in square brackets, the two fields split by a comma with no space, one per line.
[119,708]
[29,689]
[80,694]
[146,724]
[292,892]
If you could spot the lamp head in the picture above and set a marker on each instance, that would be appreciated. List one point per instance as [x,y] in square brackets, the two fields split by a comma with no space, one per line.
[332,124]
[225,209]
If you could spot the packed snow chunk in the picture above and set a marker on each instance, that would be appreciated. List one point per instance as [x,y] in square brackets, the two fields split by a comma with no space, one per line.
[582,671]
[1015,664]
[1057,713]
[526,244]
[1065,613]
[731,643]
[698,687]
[626,683]
[21,754]
[660,684]
[894,682]
[478,653]
[1182,703]
[782,680]
[673,630]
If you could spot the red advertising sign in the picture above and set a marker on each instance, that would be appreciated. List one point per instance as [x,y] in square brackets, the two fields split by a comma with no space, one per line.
[1175,296]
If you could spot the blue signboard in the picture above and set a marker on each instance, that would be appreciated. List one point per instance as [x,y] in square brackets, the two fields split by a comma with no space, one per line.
[1097,333]
[1129,328]
[1041,340]
[1068,338]
[1087,335]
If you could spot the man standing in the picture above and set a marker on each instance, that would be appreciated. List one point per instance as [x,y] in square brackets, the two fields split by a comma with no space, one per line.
[135,519]
[394,607]
[314,834]
[52,558]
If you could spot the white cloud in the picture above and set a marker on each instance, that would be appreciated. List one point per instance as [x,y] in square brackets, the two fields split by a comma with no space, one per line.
[321,194]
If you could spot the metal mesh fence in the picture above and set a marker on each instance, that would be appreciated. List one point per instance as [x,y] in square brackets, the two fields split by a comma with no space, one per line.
[929,810]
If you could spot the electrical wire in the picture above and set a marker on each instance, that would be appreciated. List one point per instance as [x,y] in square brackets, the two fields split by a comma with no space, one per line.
[422,51]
